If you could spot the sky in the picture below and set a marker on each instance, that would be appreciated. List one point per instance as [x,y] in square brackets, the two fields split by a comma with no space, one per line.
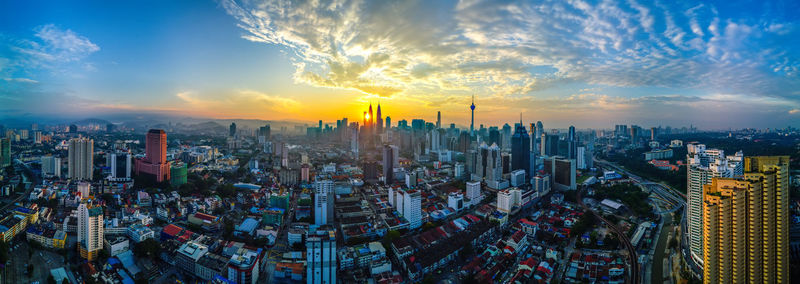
[716,65]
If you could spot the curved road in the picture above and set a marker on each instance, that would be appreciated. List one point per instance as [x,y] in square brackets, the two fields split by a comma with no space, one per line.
[632,258]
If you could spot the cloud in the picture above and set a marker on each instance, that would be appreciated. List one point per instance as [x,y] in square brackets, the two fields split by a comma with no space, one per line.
[794,111]
[492,47]
[63,44]
[21,80]
[237,103]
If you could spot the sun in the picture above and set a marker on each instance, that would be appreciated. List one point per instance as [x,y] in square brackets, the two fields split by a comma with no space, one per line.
[366,116]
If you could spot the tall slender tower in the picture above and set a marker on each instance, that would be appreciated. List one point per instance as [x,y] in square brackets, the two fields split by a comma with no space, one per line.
[472,123]
[371,119]
[379,120]
[438,119]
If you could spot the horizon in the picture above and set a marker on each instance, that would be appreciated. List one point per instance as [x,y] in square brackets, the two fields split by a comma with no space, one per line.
[711,65]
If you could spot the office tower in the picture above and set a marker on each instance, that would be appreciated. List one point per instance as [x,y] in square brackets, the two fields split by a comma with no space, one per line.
[370,120]
[354,141]
[505,137]
[388,164]
[90,230]
[388,123]
[323,202]
[120,162]
[72,128]
[494,136]
[772,227]
[155,161]
[620,130]
[264,131]
[5,152]
[581,158]
[411,179]
[543,144]
[84,189]
[494,164]
[702,165]
[232,130]
[520,149]
[81,158]
[653,133]
[435,140]
[305,173]
[472,121]
[51,166]
[551,145]
[379,120]
[321,262]
[562,172]
[438,119]
[572,144]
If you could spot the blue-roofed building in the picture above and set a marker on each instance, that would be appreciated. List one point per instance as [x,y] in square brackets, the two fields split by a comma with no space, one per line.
[247,227]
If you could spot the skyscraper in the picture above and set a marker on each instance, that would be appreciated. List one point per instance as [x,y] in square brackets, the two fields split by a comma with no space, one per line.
[370,120]
[543,144]
[472,121]
[232,130]
[745,224]
[772,172]
[572,144]
[155,161]
[388,122]
[438,119]
[323,202]
[5,152]
[520,149]
[725,245]
[90,230]
[121,165]
[81,158]
[379,120]
[538,135]
[701,166]
[388,164]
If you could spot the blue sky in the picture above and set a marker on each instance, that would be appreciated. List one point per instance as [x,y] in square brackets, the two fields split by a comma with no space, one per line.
[592,64]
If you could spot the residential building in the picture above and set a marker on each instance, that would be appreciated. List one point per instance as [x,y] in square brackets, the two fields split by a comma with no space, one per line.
[81,159]
[323,202]
[90,230]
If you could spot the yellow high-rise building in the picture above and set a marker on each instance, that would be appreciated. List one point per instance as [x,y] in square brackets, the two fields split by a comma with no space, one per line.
[725,228]
[745,224]
[773,207]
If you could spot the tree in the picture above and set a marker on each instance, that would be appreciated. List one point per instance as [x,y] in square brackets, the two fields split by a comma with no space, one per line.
[51,279]
[673,243]
[148,248]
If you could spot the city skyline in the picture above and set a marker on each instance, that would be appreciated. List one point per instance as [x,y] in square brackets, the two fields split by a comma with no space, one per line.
[662,64]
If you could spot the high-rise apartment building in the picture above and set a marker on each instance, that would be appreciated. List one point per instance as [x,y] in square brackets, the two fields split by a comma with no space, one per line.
[745,224]
[323,202]
[90,230]
[725,230]
[772,172]
[412,208]
[155,161]
[5,152]
[51,166]
[702,165]
[81,159]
